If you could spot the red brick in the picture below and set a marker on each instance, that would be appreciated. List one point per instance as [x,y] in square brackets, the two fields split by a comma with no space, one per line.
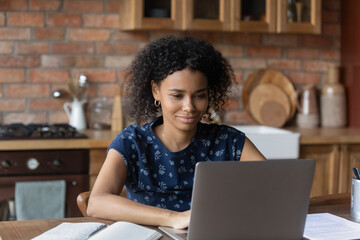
[46,104]
[117,48]
[83,6]
[331,29]
[33,47]
[73,48]
[336,42]
[51,61]
[242,38]
[113,6]
[118,61]
[1,91]
[331,5]
[82,61]
[330,16]
[238,117]
[89,35]
[235,90]
[12,105]
[101,20]
[248,63]
[239,77]
[122,74]
[26,90]
[266,52]
[316,66]
[230,50]
[63,19]
[58,117]
[280,40]
[285,64]
[12,75]
[100,76]
[49,34]
[231,104]
[26,19]
[316,41]
[92,91]
[302,53]
[2,19]
[213,37]
[48,5]
[304,78]
[131,36]
[13,5]
[25,118]
[106,90]
[19,61]
[329,54]
[6,47]
[48,76]
[15,34]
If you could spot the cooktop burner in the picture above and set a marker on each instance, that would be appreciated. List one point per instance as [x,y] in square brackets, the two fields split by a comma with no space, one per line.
[38,131]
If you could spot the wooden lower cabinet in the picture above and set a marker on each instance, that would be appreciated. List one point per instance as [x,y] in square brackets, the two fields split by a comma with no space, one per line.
[97,158]
[334,163]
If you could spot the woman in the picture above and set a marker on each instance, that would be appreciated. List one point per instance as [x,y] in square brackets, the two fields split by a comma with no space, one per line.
[173,84]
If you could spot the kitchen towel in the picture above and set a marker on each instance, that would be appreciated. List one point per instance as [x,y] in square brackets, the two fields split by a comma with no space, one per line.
[40,199]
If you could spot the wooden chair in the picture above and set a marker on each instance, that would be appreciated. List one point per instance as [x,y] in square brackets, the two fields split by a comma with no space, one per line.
[83,199]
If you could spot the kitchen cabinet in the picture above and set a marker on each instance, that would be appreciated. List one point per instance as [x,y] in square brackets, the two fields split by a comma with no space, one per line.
[154,15]
[222,15]
[336,151]
[97,158]
[299,16]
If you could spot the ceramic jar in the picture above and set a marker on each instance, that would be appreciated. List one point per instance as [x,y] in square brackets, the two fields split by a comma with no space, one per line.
[333,105]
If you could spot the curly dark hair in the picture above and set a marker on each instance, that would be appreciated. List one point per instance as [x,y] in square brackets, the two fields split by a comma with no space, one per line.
[167,55]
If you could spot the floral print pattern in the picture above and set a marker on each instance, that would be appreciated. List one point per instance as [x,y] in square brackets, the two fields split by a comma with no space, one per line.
[158,177]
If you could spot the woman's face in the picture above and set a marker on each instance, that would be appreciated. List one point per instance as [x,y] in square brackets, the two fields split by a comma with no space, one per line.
[184,98]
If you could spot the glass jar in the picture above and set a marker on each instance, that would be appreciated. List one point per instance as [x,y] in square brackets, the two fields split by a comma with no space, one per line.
[101,112]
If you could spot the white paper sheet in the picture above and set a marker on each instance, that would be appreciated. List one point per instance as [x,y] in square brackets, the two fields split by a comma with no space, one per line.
[326,226]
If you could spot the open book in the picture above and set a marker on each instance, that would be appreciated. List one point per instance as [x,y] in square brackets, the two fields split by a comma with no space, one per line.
[97,231]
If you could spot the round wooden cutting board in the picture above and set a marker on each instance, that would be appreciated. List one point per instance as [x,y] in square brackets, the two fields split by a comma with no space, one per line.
[269,76]
[269,105]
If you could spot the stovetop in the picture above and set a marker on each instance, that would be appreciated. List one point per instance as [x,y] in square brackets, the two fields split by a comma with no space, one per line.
[17,131]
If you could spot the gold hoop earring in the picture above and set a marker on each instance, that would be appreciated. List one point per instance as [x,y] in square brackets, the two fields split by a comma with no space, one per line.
[157,103]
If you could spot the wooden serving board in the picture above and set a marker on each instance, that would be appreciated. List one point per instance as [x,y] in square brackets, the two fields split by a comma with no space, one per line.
[269,105]
[269,76]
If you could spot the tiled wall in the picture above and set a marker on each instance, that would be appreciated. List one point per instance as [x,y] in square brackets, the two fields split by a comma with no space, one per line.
[43,43]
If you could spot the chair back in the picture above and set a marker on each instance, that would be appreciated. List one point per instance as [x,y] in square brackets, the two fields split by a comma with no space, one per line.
[83,199]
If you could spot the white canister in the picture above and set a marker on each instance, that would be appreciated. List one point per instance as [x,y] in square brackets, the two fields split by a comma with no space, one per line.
[355,199]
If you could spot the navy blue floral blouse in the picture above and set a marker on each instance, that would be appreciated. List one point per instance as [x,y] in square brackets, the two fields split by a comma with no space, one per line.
[158,177]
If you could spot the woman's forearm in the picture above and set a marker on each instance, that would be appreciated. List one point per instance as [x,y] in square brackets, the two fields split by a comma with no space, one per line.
[117,208]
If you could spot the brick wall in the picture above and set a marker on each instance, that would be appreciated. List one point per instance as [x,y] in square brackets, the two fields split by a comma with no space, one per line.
[43,43]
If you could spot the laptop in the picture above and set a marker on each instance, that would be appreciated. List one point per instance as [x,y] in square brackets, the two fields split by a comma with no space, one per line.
[249,200]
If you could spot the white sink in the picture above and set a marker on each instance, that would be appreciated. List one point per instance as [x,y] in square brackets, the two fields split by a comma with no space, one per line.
[273,143]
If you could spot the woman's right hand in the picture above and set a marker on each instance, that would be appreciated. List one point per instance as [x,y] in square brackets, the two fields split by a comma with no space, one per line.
[180,220]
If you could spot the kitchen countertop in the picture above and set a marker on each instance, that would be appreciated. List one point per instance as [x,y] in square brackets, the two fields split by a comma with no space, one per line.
[327,135]
[96,139]
[102,139]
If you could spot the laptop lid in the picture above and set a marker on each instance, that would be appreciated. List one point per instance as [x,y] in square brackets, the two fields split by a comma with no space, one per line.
[251,200]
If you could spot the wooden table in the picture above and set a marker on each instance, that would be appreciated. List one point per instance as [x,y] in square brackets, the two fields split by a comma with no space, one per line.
[337,204]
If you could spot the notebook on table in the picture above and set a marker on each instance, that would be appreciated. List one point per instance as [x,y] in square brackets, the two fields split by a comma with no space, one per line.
[249,200]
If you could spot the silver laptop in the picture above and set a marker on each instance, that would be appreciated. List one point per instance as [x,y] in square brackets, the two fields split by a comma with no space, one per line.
[249,200]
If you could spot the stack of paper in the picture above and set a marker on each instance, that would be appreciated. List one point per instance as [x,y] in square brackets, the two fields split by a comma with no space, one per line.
[330,227]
